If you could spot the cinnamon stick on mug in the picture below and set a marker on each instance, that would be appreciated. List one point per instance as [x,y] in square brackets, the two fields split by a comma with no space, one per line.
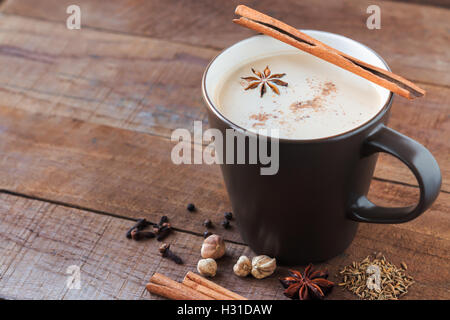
[279,30]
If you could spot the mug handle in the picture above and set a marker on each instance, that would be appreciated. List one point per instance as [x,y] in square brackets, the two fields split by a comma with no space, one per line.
[418,159]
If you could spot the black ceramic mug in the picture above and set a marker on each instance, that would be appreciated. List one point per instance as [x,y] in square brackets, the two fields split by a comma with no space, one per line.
[309,211]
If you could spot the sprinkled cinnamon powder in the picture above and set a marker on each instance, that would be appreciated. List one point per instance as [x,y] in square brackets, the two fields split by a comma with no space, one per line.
[328,88]
[257,124]
[317,102]
[260,116]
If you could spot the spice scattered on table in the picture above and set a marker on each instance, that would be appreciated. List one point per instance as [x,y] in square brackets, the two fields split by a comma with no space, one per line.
[163,231]
[190,207]
[206,234]
[165,251]
[160,230]
[242,267]
[358,276]
[263,266]
[228,215]
[213,247]
[139,235]
[139,225]
[219,292]
[164,286]
[207,223]
[163,220]
[225,223]
[207,267]
[194,287]
[312,284]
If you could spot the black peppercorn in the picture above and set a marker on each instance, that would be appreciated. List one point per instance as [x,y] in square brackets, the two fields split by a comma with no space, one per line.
[190,207]
[206,234]
[228,215]
[225,223]
[163,219]
[207,223]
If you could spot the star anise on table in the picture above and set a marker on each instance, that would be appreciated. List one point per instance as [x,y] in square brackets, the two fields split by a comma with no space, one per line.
[265,78]
[312,284]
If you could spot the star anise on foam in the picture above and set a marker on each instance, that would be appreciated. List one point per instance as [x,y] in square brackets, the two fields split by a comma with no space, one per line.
[312,284]
[263,78]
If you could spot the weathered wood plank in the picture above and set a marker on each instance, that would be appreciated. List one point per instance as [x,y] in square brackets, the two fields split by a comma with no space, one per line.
[404,27]
[107,169]
[103,80]
[39,241]
[439,3]
[153,86]
[433,222]
[123,81]
[131,174]
[427,121]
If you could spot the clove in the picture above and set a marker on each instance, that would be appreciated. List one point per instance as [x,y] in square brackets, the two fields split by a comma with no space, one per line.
[165,251]
[139,235]
[163,231]
[139,225]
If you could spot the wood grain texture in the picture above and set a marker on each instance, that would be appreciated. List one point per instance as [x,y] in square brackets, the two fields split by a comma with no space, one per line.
[426,120]
[107,169]
[85,121]
[438,3]
[124,81]
[404,31]
[129,173]
[153,86]
[39,241]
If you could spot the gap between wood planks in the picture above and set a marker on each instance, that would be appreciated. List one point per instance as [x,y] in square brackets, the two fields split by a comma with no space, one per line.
[403,184]
[101,212]
[36,242]
[106,213]
[165,137]
[131,219]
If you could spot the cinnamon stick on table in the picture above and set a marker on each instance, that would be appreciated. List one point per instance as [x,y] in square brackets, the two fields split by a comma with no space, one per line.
[167,285]
[279,30]
[167,292]
[194,287]
[213,286]
[205,290]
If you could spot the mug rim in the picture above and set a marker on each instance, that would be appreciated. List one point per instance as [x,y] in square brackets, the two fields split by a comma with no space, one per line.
[387,105]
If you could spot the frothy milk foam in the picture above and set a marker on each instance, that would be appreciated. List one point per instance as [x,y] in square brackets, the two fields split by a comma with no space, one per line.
[320,100]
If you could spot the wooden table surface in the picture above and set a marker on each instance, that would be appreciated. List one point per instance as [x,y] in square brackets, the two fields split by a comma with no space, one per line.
[85,123]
